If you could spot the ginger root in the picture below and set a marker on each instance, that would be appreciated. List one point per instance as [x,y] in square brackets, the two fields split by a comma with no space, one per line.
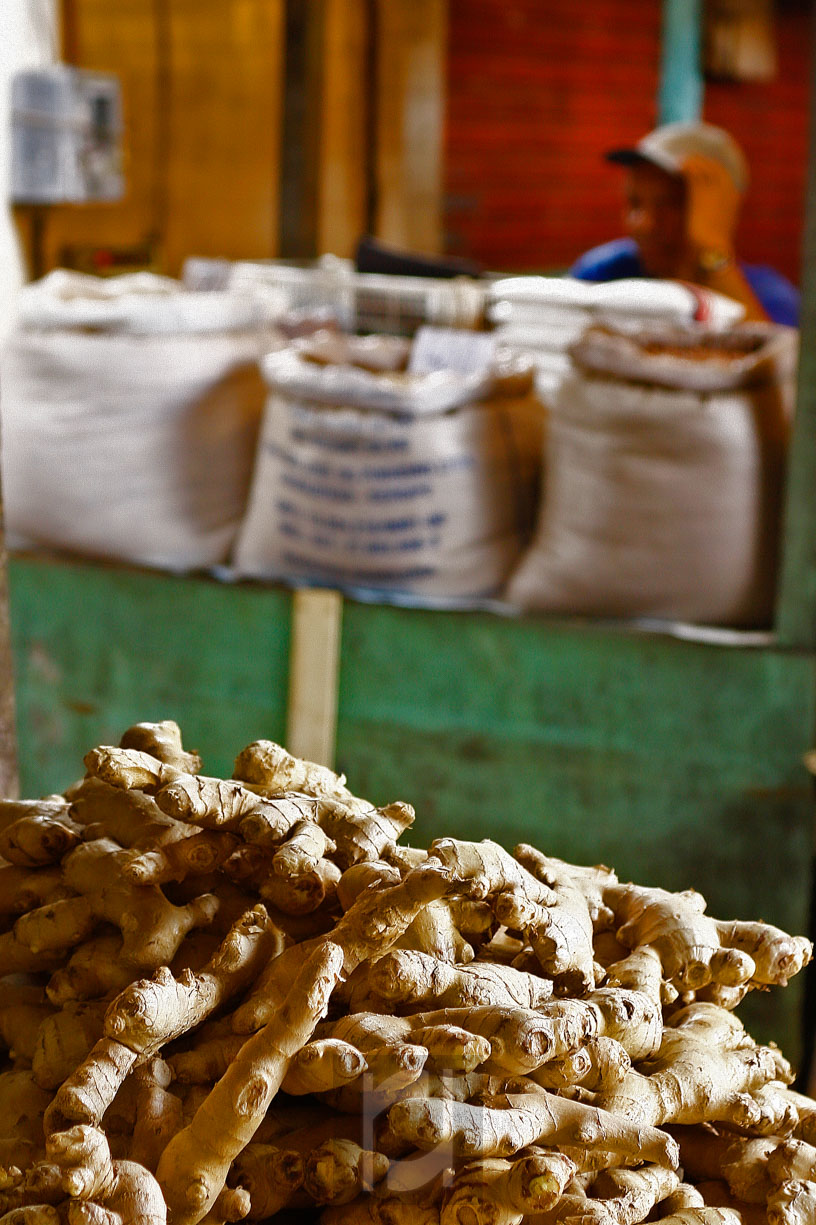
[222,999]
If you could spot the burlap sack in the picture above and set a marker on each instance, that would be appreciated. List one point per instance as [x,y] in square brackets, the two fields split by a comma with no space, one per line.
[417,484]
[130,413]
[664,474]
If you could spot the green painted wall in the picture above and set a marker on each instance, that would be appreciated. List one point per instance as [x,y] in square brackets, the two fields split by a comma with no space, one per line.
[678,764]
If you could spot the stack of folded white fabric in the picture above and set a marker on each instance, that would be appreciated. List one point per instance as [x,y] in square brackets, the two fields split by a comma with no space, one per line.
[540,317]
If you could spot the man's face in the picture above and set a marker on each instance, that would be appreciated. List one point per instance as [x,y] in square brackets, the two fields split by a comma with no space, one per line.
[655,216]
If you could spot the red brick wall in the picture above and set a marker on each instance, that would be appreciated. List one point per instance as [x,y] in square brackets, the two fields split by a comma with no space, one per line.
[537,91]
[770,121]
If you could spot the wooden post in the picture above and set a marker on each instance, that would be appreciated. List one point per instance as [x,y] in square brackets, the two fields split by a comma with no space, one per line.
[301,123]
[410,106]
[314,661]
[344,154]
[796,608]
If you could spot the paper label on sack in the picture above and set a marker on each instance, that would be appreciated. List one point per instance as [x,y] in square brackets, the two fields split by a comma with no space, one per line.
[451,349]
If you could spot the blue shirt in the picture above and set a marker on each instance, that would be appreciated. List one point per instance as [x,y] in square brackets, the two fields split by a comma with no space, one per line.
[613,261]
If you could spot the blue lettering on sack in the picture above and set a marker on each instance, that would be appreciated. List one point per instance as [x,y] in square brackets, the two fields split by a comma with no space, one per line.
[413,545]
[399,495]
[317,491]
[398,473]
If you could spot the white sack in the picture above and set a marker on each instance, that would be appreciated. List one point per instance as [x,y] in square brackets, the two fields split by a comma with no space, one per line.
[129,418]
[662,500]
[390,482]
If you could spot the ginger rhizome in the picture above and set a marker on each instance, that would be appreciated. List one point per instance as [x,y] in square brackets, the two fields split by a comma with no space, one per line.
[225,999]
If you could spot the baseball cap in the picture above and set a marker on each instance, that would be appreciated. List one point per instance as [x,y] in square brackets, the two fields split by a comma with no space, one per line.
[670,145]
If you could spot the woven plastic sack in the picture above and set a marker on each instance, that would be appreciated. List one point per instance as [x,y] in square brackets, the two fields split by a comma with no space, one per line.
[130,412]
[415,484]
[665,466]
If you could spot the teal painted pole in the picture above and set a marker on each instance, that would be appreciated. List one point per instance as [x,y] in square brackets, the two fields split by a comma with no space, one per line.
[680,97]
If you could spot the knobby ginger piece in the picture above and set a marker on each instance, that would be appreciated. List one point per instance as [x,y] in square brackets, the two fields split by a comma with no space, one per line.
[196,855]
[370,927]
[130,769]
[487,869]
[131,818]
[321,1066]
[696,949]
[511,1122]
[54,806]
[412,978]
[194,1166]
[152,927]
[152,1012]
[338,1170]
[361,833]
[22,889]
[38,840]
[704,1059]
[391,1071]
[493,1189]
[306,845]
[521,1039]
[271,1174]
[216,803]
[270,767]
[161,740]
[628,1196]
[123,1187]
[794,1203]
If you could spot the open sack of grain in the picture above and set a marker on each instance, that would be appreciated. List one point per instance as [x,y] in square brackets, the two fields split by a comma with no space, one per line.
[220,999]
[540,317]
[665,464]
[371,477]
[130,412]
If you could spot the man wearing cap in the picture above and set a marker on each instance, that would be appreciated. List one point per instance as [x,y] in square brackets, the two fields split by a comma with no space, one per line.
[684,184]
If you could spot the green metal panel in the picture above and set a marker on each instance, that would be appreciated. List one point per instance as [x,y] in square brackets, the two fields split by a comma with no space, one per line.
[97,648]
[678,764]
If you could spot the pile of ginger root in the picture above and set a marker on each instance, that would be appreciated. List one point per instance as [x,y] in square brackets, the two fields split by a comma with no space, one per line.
[225,999]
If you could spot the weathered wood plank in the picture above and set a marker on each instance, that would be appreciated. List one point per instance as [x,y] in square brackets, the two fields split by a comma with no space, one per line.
[311,718]
[344,156]
[410,104]
[202,88]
